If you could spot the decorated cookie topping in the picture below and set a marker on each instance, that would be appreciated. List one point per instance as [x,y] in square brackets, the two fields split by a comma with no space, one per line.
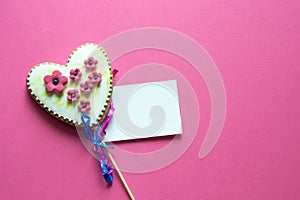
[86,86]
[91,63]
[84,106]
[75,74]
[73,95]
[59,88]
[95,77]
[55,82]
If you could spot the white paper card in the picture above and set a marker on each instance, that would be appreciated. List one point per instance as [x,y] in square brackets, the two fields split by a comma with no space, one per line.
[145,110]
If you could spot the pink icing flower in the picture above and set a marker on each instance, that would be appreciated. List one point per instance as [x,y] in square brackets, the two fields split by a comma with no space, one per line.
[95,77]
[73,95]
[84,106]
[55,82]
[75,74]
[91,63]
[86,86]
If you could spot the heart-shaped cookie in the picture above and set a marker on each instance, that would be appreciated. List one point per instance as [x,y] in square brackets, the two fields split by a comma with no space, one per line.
[83,85]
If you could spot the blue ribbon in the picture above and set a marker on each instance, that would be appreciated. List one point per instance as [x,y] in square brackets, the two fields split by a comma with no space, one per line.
[95,138]
[106,170]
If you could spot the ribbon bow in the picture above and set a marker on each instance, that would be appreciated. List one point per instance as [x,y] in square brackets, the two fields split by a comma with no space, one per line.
[97,139]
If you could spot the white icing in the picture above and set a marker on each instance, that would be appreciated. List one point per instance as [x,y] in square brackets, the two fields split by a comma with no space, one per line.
[59,103]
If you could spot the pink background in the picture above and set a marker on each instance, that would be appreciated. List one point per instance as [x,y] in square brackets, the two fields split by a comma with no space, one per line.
[255,45]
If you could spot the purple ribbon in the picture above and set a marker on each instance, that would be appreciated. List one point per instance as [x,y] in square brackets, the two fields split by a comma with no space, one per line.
[107,119]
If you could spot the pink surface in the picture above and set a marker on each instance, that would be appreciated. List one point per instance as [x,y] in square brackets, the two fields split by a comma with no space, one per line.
[255,45]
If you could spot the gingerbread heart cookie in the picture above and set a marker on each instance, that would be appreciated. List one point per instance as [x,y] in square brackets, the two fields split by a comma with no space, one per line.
[83,85]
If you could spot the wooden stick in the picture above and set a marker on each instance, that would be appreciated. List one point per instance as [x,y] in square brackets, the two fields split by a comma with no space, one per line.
[120,175]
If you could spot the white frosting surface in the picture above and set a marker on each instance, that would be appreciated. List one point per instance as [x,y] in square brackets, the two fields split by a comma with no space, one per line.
[61,107]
